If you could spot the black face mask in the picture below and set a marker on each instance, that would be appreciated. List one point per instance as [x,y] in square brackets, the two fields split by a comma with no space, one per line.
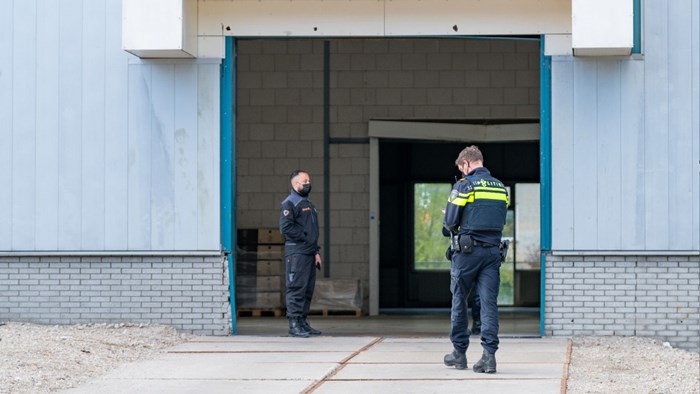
[305,190]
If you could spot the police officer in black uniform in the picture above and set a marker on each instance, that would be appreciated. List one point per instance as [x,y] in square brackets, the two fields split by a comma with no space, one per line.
[299,225]
[473,300]
[475,216]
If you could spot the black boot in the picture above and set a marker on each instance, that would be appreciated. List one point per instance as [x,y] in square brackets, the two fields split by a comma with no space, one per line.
[476,327]
[296,328]
[307,327]
[456,359]
[487,363]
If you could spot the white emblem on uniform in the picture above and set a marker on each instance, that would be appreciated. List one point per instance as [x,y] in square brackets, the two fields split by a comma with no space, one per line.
[285,212]
[453,195]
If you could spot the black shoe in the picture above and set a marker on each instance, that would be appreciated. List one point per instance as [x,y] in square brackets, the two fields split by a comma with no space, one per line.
[476,328]
[456,359]
[307,327]
[487,363]
[296,328]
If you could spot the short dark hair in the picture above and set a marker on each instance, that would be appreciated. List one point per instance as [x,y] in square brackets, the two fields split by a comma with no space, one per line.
[295,173]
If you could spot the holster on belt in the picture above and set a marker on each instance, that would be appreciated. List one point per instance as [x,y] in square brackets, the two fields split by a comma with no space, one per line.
[503,250]
[461,243]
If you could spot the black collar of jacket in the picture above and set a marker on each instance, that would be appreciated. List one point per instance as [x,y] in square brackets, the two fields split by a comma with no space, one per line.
[479,171]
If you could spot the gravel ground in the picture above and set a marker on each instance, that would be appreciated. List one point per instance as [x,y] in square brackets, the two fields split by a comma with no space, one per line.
[43,359]
[631,365]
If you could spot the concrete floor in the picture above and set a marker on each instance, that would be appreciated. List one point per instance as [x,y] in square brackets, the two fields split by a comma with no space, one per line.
[336,364]
[513,323]
[398,353]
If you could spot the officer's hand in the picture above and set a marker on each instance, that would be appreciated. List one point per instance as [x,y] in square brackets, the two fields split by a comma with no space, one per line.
[318,262]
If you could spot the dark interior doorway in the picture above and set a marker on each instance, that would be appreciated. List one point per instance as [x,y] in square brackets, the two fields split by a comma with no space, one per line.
[405,164]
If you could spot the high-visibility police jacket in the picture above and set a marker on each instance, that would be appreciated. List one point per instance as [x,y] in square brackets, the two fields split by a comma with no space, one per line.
[477,207]
[299,225]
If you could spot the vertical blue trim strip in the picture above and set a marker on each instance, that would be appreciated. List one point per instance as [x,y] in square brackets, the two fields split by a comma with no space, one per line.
[637,26]
[326,159]
[545,169]
[226,152]
[228,182]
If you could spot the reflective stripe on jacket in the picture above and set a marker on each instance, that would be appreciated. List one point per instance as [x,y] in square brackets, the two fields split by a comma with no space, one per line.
[477,206]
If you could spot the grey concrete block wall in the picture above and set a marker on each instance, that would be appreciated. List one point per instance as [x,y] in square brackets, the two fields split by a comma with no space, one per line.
[652,296]
[189,293]
[280,117]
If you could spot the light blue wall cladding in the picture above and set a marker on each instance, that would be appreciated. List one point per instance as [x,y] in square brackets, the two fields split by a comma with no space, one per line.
[100,150]
[625,141]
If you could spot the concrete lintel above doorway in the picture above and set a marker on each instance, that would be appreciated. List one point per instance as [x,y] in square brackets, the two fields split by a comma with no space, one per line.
[493,131]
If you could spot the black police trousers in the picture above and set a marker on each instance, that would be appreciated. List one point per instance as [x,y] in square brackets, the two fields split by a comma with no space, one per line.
[481,266]
[300,270]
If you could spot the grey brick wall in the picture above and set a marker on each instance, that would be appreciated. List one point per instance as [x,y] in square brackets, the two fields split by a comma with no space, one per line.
[189,293]
[652,296]
[280,116]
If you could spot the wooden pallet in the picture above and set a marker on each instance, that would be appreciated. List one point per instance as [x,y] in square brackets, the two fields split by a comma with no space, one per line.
[259,312]
[357,312]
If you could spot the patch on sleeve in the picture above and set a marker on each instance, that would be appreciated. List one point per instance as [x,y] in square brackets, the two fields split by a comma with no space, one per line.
[285,212]
[453,195]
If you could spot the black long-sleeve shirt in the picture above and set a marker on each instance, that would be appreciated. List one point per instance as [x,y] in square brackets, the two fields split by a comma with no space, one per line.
[299,225]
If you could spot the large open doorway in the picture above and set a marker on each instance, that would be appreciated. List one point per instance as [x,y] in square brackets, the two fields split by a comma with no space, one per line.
[309,103]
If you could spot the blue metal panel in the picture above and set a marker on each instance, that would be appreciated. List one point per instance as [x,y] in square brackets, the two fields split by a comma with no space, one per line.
[47,51]
[6,108]
[545,170]
[562,119]
[228,162]
[23,127]
[632,155]
[93,134]
[116,137]
[695,39]
[656,131]
[637,39]
[610,197]
[70,125]
[162,157]
[680,128]
[139,165]
[585,202]
[208,164]
[185,152]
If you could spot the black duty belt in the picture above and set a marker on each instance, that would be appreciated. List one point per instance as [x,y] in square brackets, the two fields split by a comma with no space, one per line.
[482,244]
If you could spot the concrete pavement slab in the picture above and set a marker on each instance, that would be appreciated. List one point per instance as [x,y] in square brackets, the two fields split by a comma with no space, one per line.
[440,387]
[188,367]
[278,344]
[181,386]
[436,356]
[253,364]
[438,371]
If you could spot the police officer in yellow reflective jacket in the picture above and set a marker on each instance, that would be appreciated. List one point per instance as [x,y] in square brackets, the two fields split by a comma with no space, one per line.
[475,216]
